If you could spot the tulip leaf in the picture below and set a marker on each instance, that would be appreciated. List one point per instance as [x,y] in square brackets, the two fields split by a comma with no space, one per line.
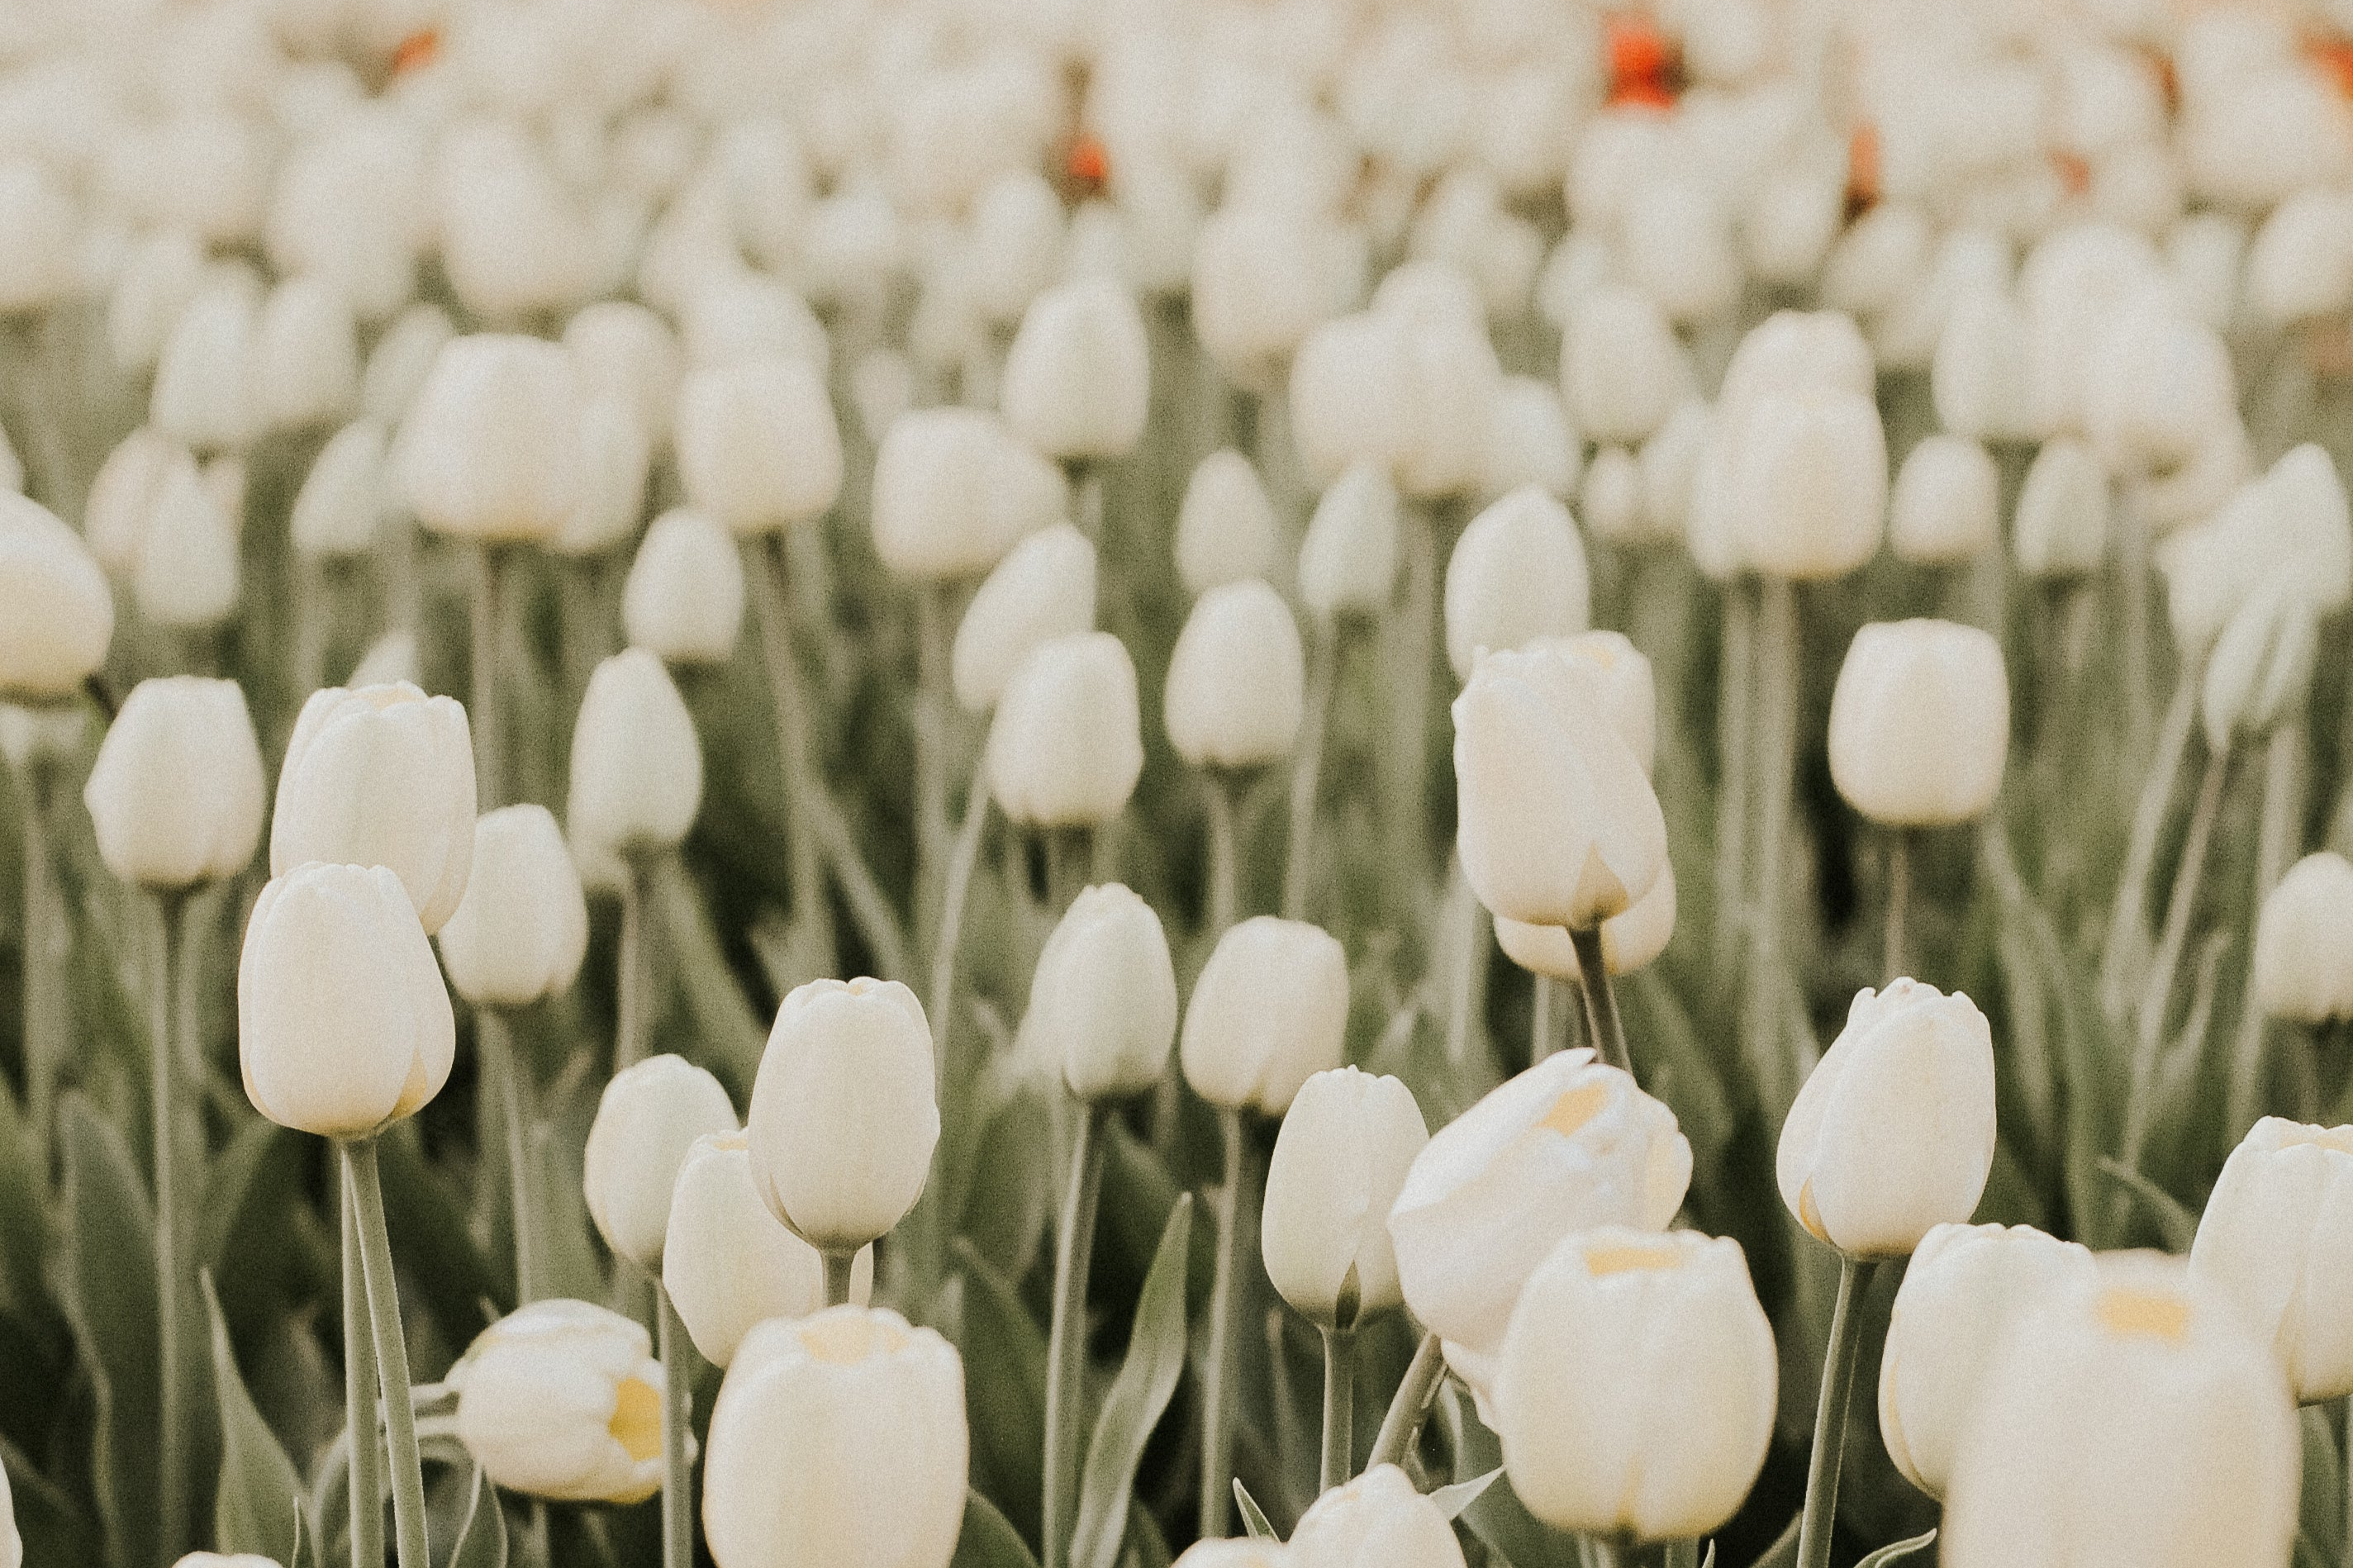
[1453,1500]
[1147,1377]
[1253,1517]
[483,1539]
[988,1540]
[2323,1493]
[1898,1552]
[304,1554]
[1005,1388]
[258,1506]
[108,1279]
[1498,1518]
[2176,1223]
[23,1223]
[431,1242]
[1783,1553]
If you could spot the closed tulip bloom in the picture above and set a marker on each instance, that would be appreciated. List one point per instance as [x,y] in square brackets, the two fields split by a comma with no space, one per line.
[158,278]
[2156,387]
[728,1263]
[1102,1001]
[177,793]
[1348,402]
[1347,560]
[402,359]
[1225,526]
[1517,574]
[1978,378]
[341,502]
[2304,942]
[843,1115]
[2060,526]
[616,455]
[522,928]
[57,614]
[953,490]
[206,392]
[1566,1146]
[2260,663]
[1377,1520]
[1558,826]
[1260,284]
[1269,1012]
[1237,680]
[2288,527]
[563,1400]
[637,763]
[1630,942]
[1964,1287]
[1946,506]
[1611,498]
[38,255]
[649,1115]
[1066,745]
[2300,265]
[491,448]
[1339,1162]
[1448,402]
[839,1441]
[1079,377]
[2273,1241]
[683,599]
[758,445]
[383,776]
[1637,1385]
[2131,1420]
[194,1560]
[1920,723]
[624,349]
[1622,371]
[1621,675]
[1806,482]
[122,497]
[306,356]
[1893,1133]
[1241,1553]
[343,1023]
[1044,588]
[187,568]
[1531,442]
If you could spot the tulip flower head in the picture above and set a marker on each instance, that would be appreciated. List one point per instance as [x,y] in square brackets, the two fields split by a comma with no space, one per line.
[521,931]
[1920,723]
[176,793]
[728,1263]
[1377,1520]
[563,1400]
[1339,1162]
[649,1115]
[59,613]
[1268,1013]
[2304,942]
[1102,1001]
[2272,1242]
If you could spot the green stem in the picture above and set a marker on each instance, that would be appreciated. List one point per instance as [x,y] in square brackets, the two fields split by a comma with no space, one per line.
[173,1289]
[1306,773]
[505,1064]
[2120,959]
[768,573]
[2158,993]
[631,1022]
[678,1422]
[493,578]
[391,1352]
[1777,702]
[1601,1020]
[1070,854]
[1087,499]
[1216,1439]
[1899,898]
[1339,1407]
[838,1268]
[1540,995]
[1066,1339]
[934,621]
[2276,841]
[1821,1517]
[45,939]
[1225,871]
[1734,716]
[1410,1406]
[1408,639]
[962,861]
[364,1436]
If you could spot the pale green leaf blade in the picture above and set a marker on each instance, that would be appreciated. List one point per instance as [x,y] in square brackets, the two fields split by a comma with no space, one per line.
[1155,1359]
[989,1540]
[258,1505]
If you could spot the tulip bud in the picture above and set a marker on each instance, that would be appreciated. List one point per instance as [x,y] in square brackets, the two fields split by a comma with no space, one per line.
[1348,402]
[490,450]
[176,793]
[1225,525]
[728,1263]
[402,359]
[1947,503]
[1044,588]
[617,452]
[1103,1001]
[350,205]
[1807,481]
[2061,528]
[739,316]
[1517,574]
[1630,942]
[1978,379]
[342,501]
[159,278]
[1567,1146]
[1066,745]
[1670,461]
[522,928]
[843,1115]
[757,446]
[564,1400]
[37,258]
[2269,1241]
[514,241]
[1622,371]
[1920,723]
[206,386]
[2261,664]
[651,1114]
[1377,1520]
[1560,826]
[1447,401]
[637,763]
[2287,528]
[57,614]
[1260,284]
[2157,385]
[621,350]
[1245,1553]
[1339,1162]
[343,1024]
[2304,942]
[839,1439]
[1269,1012]
[2300,265]
[1531,442]
[1893,1133]
[187,573]
[953,492]
[1965,1285]
[683,600]
[1347,561]
[1677,244]
[382,776]
[2133,1413]
[1237,680]
[1611,500]
[1636,1385]
[1078,376]
[306,356]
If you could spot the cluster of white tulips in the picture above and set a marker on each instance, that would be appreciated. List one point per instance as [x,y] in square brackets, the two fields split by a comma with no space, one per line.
[1368,621]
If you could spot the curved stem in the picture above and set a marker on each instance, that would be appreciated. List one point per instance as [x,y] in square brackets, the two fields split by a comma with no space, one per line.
[391,1351]
[631,1024]
[1601,1020]
[1225,871]
[2119,957]
[497,1046]
[1821,1517]
[1066,1339]
[962,861]
[363,1435]
[1339,1407]
[767,574]
[173,1292]
[1217,1448]
[2158,993]
[678,1422]
[1306,773]
[2275,842]
[933,632]
[493,578]
[1416,1392]
[1899,898]
[838,1268]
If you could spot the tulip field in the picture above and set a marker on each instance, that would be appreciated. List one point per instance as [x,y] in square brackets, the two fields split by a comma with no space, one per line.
[1175,784]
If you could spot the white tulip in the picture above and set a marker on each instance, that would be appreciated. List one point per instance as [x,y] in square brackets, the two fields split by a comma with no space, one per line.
[1611,498]
[306,356]
[1671,460]
[1339,1162]
[205,391]
[1964,1287]
[1066,745]
[1637,1384]
[2304,942]
[1677,244]
[1237,680]
[1806,481]
[1225,525]
[1244,1552]
[1978,379]
[402,359]
[953,492]
[187,568]
[683,599]
[1567,1146]
[1622,371]
[1893,1133]
[637,763]
[2157,385]
[489,450]
[381,775]
[758,445]
[625,351]
[1103,1001]
[341,502]
[514,241]
[38,217]
[1044,588]
[522,928]
[1269,1012]
[1945,505]
[1517,574]
[160,276]
[649,1115]
[1017,240]
[2060,526]
[728,1263]
[1377,1520]
[1919,729]
[737,316]
[1348,558]
[843,1114]
[2288,526]
[616,455]
[343,1023]
[1260,285]
[57,614]
[2272,1241]
[1078,376]
[350,205]
[563,1400]
[2300,265]
[1531,442]
[176,793]
[1347,398]
[837,1441]
[1630,942]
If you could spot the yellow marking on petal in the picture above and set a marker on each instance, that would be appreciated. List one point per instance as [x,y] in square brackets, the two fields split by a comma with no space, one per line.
[1604,1260]
[733,1141]
[2339,1139]
[1573,1109]
[2144,1314]
[636,1421]
[845,1339]
[1808,1215]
